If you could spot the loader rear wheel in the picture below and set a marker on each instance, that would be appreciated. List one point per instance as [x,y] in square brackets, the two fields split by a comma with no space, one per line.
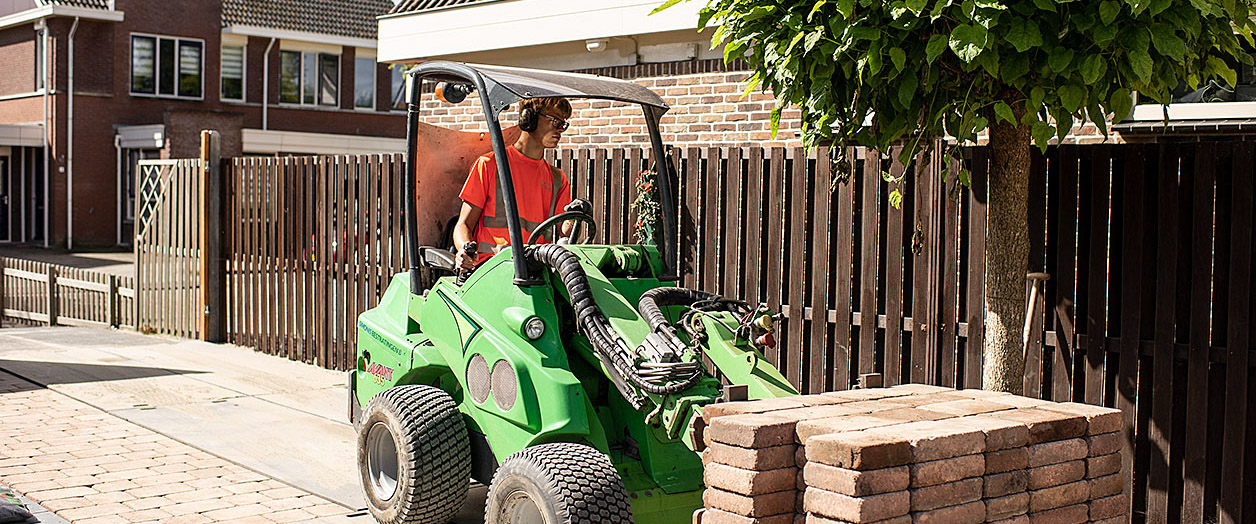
[414,456]
[561,483]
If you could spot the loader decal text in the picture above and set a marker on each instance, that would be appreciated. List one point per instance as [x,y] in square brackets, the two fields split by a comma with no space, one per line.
[380,372]
[380,338]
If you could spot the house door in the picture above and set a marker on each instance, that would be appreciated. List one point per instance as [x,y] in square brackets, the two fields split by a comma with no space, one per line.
[5,187]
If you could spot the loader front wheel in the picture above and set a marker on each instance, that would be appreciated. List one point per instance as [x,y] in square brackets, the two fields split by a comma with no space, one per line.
[414,456]
[560,483]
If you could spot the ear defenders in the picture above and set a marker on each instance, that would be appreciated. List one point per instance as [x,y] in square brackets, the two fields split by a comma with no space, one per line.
[528,118]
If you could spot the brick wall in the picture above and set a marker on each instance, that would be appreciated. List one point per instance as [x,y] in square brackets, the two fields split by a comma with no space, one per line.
[17,53]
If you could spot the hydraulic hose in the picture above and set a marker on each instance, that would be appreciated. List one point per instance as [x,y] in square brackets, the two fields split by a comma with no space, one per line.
[651,304]
[593,324]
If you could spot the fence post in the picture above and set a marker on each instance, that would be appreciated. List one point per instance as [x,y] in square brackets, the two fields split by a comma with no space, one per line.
[52,295]
[3,291]
[213,305]
[111,302]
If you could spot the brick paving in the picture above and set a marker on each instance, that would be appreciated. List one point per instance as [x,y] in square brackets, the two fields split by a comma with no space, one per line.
[91,467]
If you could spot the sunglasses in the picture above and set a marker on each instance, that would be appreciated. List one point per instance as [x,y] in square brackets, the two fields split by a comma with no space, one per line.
[559,124]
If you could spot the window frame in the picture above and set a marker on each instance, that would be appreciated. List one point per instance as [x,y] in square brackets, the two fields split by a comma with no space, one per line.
[157,76]
[318,57]
[244,73]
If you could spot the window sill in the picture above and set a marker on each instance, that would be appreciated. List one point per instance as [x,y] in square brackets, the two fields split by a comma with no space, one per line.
[168,97]
[1196,111]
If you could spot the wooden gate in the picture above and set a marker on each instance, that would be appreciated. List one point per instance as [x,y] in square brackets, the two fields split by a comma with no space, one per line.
[167,248]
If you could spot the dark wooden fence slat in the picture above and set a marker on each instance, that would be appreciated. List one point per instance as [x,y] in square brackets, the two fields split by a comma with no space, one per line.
[1096,309]
[731,259]
[894,281]
[844,245]
[601,204]
[618,180]
[1161,427]
[1062,358]
[949,311]
[976,201]
[1238,338]
[710,234]
[819,360]
[798,254]
[870,212]
[774,277]
[1132,183]
[752,277]
[323,242]
[691,218]
[924,270]
[1196,442]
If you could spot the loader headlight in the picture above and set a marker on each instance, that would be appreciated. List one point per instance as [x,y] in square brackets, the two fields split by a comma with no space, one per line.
[533,328]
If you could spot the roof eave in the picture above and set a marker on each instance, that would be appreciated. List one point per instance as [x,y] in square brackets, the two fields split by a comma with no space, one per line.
[86,13]
[305,36]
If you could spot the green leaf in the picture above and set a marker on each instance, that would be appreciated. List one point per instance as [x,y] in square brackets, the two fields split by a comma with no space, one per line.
[775,120]
[1092,68]
[1072,97]
[935,47]
[989,60]
[1004,112]
[896,199]
[1158,6]
[885,175]
[1167,43]
[1094,114]
[874,59]
[816,9]
[1108,9]
[967,41]
[964,177]
[916,6]
[1140,62]
[1060,58]
[666,5]
[1023,34]
[1042,133]
[1217,67]
[1015,66]
[797,38]
[907,89]
[1120,104]
[898,57]
[1045,5]
[1103,35]
[812,38]
[845,8]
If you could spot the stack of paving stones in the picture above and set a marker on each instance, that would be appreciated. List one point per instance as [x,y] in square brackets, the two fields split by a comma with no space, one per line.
[910,454]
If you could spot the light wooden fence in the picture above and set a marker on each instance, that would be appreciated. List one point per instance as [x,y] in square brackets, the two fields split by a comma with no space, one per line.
[167,246]
[55,295]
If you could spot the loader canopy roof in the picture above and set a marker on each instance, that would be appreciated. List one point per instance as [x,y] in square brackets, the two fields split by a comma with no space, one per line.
[517,84]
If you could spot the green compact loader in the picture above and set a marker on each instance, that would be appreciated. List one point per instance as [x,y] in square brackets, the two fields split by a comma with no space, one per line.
[567,378]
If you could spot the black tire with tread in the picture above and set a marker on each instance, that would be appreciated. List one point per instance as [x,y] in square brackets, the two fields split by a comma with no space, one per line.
[571,484]
[434,455]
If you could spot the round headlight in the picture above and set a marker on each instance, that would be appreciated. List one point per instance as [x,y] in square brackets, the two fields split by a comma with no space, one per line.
[534,328]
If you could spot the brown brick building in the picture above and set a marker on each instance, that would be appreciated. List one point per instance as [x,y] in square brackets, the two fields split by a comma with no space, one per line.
[114,81]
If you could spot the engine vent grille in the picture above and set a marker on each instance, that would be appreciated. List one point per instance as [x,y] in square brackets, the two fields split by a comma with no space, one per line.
[505,388]
[478,378]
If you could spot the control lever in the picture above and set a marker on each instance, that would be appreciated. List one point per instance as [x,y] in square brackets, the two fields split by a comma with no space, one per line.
[583,206]
[470,249]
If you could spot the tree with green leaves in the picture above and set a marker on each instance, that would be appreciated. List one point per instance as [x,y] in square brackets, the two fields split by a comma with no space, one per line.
[875,73]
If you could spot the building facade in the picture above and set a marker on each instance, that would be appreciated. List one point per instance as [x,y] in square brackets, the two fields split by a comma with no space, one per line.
[92,86]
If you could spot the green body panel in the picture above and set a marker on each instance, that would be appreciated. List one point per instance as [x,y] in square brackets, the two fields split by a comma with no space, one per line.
[563,392]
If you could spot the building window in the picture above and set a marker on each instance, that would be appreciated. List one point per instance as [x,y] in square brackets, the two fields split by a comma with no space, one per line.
[1215,99]
[398,87]
[168,67]
[233,72]
[309,78]
[364,83]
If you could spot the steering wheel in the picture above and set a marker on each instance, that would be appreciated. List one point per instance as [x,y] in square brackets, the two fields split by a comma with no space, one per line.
[578,216]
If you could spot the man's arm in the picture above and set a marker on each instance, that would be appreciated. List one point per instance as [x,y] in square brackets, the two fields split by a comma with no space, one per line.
[469,216]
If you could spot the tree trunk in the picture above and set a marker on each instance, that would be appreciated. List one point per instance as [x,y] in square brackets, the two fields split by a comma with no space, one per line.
[1007,256]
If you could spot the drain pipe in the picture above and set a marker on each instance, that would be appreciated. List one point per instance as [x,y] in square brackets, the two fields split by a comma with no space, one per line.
[121,207]
[266,83]
[43,23]
[69,146]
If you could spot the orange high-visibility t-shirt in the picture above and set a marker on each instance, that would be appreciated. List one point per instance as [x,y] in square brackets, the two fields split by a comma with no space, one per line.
[541,191]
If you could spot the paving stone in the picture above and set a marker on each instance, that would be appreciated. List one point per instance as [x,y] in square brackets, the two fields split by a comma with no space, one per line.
[970,513]
[949,494]
[817,412]
[1019,519]
[1099,419]
[1056,474]
[812,518]
[946,470]
[855,483]
[1106,486]
[966,406]
[749,482]
[715,516]
[800,456]
[857,509]
[761,459]
[1006,507]
[1059,496]
[752,431]
[756,506]
[1075,514]
[860,450]
[1046,425]
[1113,520]
[1056,452]
[1103,466]
[919,389]
[1000,433]
[807,429]
[1104,444]
[855,395]
[1108,507]
[936,440]
[711,412]
[1003,484]
[1006,460]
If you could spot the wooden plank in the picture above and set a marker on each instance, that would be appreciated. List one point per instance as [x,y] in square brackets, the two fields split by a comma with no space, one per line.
[948,311]
[1039,176]
[1131,315]
[1067,172]
[798,261]
[730,260]
[630,190]
[870,213]
[601,205]
[85,285]
[1097,283]
[1161,426]
[774,279]
[615,203]
[752,272]
[710,234]
[923,274]
[820,360]
[844,252]
[1238,339]
[1194,466]
[322,242]
[977,195]
[25,275]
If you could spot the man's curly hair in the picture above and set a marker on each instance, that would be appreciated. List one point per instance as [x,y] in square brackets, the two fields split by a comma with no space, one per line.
[556,106]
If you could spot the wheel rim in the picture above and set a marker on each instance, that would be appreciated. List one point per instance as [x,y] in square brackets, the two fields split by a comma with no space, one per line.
[382,466]
[519,508]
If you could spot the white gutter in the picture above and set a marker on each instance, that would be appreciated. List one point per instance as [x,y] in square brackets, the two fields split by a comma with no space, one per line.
[266,83]
[69,145]
[47,129]
[40,13]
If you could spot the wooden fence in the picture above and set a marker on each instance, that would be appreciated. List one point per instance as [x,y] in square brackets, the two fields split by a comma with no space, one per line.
[1148,309]
[167,246]
[41,293]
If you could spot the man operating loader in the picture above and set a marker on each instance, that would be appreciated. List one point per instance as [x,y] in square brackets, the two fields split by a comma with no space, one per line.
[541,190]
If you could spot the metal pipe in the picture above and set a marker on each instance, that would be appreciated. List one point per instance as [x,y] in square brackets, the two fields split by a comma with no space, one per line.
[47,143]
[670,246]
[121,207]
[69,145]
[412,149]
[265,84]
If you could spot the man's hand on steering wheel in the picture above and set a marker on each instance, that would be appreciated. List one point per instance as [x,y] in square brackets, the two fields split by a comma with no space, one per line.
[577,216]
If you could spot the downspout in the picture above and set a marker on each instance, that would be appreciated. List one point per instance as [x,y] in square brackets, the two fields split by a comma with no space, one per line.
[47,143]
[69,146]
[120,208]
[266,83]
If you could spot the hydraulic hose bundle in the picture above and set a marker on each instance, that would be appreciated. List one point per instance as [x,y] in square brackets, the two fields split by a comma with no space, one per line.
[610,348]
